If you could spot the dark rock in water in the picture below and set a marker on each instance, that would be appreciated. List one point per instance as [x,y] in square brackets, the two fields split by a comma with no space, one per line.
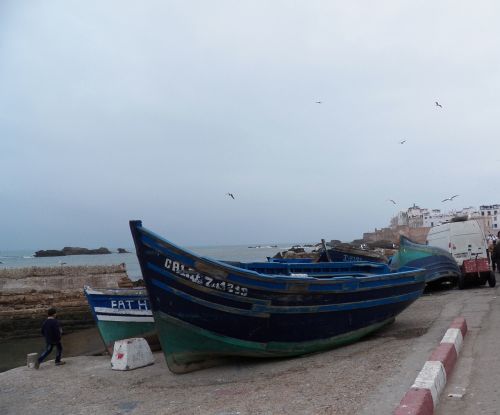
[71,250]
[123,251]
[49,252]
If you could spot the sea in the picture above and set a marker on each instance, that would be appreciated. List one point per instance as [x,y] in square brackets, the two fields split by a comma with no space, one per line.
[243,253]
[13,352]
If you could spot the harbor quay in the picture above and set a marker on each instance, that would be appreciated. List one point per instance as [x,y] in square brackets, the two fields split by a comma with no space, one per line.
[367,377]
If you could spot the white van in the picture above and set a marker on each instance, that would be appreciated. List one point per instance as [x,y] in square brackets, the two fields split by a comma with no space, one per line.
[465,241]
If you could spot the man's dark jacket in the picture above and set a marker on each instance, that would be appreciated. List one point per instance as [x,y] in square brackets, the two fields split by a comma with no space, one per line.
[51,331]
[496,251]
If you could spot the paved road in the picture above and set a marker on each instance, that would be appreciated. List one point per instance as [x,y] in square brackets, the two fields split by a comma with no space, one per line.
[478,366]
[473,387]
[368,378]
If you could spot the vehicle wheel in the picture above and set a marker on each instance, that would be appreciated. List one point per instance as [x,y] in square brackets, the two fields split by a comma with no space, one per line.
[492,281]
[484,276]
[461,282]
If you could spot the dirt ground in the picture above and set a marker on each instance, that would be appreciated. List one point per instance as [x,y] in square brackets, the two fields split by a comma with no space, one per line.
[368,377]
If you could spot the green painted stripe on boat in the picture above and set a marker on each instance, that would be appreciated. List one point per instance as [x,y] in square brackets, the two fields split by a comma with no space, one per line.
[118,330]
[187,347]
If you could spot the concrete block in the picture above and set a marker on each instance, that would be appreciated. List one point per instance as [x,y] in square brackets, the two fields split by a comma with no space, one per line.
[131,354]
[454,336]
[416,402]
[32,360]
[432,377]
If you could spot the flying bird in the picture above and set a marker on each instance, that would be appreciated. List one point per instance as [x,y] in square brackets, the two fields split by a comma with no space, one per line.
[450,198]
[230,195]
[402,142]
[390,200]
[438,104]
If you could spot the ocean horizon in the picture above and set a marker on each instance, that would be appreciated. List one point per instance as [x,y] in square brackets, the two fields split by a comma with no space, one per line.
[245,253]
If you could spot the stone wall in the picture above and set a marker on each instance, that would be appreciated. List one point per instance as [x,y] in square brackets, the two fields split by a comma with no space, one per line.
[392,234]
[27,293]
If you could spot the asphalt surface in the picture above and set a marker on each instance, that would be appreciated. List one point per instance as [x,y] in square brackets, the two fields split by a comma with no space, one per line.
[473,387]
[369,377]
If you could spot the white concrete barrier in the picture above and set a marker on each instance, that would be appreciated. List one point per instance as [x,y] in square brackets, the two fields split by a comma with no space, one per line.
[32,360]
[131,354]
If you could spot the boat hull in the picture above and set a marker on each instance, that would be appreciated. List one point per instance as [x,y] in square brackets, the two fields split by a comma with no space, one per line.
[188,347]
[347,254]
[122,314]
[439,265]
[206,310]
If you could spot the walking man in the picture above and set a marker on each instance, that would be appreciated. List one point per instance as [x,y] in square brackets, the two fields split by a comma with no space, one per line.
[51,330]
[495,257]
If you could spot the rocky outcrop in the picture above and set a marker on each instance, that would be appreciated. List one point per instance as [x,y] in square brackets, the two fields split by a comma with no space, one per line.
[294,253]
[72,250]
[123,251]
[27,293]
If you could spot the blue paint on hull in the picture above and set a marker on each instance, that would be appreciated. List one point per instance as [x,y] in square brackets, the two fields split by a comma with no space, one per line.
[439,264]
[292,303]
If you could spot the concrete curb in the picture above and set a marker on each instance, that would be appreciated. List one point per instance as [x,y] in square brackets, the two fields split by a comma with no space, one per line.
[423,396]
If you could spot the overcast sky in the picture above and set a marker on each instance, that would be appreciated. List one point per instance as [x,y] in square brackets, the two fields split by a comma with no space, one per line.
[154,110]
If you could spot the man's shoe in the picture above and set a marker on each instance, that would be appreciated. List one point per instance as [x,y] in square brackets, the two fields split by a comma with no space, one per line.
[60,363]
[37,365]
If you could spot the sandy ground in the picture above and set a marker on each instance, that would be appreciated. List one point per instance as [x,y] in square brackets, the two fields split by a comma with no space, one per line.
[368,377]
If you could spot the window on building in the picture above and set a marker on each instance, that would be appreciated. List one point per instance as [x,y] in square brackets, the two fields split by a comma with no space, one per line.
[489,212]
[496,212]
[482,213]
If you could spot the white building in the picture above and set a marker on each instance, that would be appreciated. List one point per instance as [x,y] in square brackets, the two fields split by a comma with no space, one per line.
[436,217]
[416,217]
[491,216]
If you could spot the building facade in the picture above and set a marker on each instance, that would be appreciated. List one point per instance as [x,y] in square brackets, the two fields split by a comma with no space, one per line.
[488,216]
[491,214]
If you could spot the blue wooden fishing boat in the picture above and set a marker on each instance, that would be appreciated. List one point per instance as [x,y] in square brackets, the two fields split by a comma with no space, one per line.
[439,265]
[347,253]
[122,313]
[206,309]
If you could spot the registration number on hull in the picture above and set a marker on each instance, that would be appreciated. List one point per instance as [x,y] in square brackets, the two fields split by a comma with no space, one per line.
[192,275]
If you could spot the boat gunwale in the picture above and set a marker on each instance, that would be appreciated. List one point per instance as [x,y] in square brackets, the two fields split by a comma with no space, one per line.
[415,273]
[341,290]
[88,290]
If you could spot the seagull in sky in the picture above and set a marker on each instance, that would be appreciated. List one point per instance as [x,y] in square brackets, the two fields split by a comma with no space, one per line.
[230,195]
[438,104]
[402,142]
[449,198]
[390,200]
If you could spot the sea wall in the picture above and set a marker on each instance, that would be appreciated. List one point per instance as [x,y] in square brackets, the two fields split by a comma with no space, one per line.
[418,235]
[27,293]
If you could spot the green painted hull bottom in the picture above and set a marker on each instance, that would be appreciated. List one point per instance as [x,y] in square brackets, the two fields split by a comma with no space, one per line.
[188,348]
[118,330]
